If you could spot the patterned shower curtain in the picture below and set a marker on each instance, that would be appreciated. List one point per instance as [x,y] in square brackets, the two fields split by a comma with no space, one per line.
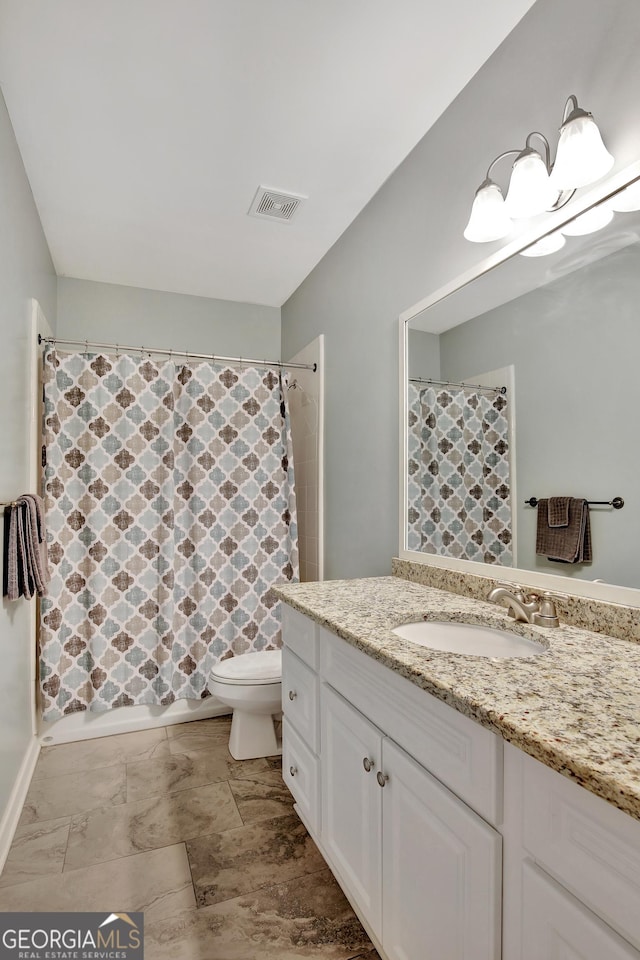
[171,514]
[459,493]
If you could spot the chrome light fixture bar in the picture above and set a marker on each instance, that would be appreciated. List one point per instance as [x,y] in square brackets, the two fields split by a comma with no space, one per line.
[536,185]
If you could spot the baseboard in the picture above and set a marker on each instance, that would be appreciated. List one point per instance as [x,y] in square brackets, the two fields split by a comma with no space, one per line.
[11,815]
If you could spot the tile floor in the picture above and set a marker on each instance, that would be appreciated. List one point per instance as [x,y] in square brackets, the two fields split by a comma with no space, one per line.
[167,822]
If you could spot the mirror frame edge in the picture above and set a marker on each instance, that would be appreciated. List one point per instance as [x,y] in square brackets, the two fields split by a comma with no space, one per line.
[589,589]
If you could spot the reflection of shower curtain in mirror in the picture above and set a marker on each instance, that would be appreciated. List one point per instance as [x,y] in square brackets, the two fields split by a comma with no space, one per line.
[458,474]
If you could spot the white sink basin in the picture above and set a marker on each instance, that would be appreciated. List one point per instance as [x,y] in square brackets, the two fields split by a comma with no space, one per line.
[470,639]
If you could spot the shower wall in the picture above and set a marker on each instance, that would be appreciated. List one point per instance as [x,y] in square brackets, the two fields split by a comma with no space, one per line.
[306,403]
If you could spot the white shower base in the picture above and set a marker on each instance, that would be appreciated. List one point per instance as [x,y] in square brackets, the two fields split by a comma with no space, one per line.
[86,725]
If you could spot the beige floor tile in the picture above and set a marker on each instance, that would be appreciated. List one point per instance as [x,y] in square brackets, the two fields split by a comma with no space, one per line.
[216,727]
[67,758]
[262,796]
[182,771]
[229,864]
[157,882]
[37,850]
[75,793]
[305,918]
[149,824]
[199,735]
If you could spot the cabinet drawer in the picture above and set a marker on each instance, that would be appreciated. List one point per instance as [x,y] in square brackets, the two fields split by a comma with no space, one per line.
[555,924]
[300,771]
[300,698]
[460,753]
[300,634]
[587,844]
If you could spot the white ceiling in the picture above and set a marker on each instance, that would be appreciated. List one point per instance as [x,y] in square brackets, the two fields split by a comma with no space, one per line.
[147,125]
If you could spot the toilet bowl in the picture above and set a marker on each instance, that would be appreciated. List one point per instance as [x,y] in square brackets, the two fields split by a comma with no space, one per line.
[251,685]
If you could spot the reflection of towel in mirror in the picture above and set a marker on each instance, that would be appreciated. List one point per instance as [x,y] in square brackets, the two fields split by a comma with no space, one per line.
[570,543]
[26,568]
[558,510]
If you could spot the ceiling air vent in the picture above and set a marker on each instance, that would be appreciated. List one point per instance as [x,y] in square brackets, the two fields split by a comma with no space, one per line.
[271,204]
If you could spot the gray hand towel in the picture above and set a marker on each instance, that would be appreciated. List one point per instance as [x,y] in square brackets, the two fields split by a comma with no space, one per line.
[567,544]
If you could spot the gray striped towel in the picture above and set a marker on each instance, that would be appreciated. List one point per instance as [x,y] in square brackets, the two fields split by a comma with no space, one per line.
[26,565]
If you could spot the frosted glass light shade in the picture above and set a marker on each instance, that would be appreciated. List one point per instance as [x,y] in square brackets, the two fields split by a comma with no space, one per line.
[627,200]
[530,190]
[589,222]
[489,219]
[555,241]
[582,157]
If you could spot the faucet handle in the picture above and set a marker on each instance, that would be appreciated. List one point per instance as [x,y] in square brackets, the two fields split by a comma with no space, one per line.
[547,615]
[506,585]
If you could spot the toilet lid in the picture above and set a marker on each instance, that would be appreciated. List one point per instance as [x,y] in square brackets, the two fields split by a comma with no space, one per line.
[262,667]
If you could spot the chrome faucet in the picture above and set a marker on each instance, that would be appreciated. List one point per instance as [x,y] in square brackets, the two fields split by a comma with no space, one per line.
[527,608]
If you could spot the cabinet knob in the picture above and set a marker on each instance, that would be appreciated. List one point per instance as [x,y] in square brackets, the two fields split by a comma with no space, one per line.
[292,694]
[293,770]
[368,764]
[381,778]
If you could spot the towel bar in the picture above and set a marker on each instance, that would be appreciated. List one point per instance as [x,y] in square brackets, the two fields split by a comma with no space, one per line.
[617,503]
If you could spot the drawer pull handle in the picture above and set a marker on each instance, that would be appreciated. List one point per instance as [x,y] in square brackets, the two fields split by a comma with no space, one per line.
[292,694]
[368,764]
[381,778]
[293,770]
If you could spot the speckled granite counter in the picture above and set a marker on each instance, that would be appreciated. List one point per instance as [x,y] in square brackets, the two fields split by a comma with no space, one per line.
[575,708]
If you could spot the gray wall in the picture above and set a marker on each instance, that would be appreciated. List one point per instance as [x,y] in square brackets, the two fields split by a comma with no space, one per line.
[408,242]
[26,271]
[107,312]
[424,355]
[575,345]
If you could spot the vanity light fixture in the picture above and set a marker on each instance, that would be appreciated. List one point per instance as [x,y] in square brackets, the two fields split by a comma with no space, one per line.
[537,185]
[581,157]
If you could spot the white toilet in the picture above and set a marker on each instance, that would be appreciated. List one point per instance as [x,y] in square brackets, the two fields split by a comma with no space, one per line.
[251,684]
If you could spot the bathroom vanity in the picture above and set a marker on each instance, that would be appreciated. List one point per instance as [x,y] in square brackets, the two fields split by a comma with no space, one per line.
[471,808]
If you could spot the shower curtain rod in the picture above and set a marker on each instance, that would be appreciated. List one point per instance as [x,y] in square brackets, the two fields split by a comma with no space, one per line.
[452,383]
[117,347]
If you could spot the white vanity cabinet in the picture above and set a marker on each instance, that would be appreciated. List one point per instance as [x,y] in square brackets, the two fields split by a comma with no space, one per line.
[352,803]
[300,708]
[421,868]
[571,869]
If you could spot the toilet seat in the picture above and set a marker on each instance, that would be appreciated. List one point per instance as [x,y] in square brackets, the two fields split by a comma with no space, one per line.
[248,669]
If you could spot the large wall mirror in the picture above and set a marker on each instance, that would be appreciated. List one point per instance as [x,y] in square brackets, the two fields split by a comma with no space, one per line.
[548,347]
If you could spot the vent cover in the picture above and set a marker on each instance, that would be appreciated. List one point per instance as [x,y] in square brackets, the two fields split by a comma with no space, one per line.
[271,204]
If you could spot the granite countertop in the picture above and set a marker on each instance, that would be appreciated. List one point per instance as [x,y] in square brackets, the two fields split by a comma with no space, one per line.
[575,708]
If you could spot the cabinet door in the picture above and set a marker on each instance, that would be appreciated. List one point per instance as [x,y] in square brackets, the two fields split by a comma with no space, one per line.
[352,802]
[556,926]
[441,869]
